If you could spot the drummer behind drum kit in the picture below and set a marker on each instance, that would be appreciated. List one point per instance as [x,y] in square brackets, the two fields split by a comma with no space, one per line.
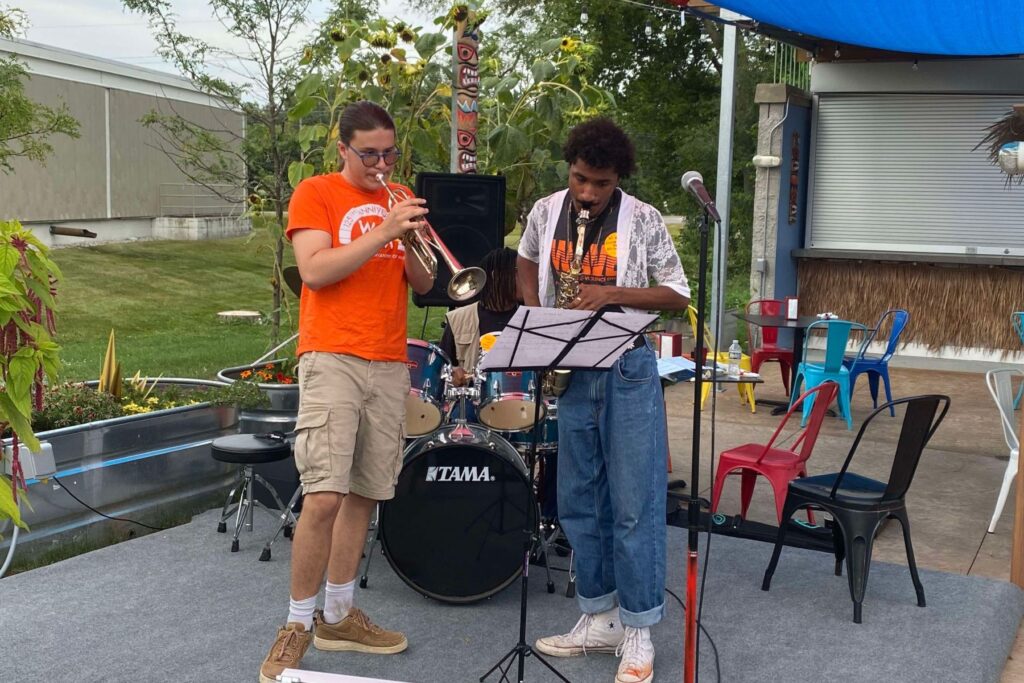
[454,530]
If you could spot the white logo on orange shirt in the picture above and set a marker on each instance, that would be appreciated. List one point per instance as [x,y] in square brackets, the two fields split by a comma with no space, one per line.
[362,219]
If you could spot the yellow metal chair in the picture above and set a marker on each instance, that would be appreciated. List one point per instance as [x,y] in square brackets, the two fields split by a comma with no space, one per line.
[745,389]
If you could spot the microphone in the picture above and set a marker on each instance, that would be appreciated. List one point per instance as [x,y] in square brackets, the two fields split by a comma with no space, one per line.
[693,181]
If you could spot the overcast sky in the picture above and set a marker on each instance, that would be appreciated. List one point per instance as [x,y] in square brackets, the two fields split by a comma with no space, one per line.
[105,29]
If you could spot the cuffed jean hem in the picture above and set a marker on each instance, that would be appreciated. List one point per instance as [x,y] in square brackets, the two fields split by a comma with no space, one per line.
[597,605]
[641,619]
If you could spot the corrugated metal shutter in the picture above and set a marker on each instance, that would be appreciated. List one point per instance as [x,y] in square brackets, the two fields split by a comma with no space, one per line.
[897,173]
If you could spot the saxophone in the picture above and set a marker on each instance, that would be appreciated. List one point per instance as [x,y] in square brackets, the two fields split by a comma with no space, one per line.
[555,382]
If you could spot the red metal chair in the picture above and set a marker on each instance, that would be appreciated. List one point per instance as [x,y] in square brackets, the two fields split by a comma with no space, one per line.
[768,349]
[779,465]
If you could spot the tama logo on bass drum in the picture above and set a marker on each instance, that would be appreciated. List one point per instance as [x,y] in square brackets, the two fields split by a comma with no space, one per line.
[446,473]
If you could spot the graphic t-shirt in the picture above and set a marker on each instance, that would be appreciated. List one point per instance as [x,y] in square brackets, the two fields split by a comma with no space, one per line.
[600,244]
[364,314]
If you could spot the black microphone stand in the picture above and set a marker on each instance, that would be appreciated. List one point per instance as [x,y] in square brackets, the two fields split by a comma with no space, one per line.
[693,509]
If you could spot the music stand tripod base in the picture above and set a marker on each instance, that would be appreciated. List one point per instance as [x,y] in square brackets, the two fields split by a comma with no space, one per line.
[521,650]
[577,339]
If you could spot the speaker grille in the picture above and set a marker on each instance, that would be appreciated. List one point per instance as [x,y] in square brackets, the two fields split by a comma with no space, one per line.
[468,213]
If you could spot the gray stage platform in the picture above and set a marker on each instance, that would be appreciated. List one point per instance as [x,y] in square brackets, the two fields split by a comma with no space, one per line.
[178,606]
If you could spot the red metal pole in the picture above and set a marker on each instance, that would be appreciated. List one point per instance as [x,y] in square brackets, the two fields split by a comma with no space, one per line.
[690,639]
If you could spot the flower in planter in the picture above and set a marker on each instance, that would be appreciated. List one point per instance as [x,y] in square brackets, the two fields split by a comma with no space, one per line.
[282,372]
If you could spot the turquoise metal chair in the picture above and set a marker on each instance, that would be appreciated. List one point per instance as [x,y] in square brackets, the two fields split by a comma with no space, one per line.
[1018,324]
[831,369]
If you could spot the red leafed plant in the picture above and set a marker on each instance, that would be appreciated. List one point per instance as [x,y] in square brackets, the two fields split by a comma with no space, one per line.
[28,354]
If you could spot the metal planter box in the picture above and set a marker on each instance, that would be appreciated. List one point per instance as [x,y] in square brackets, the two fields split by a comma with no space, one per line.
[137,466]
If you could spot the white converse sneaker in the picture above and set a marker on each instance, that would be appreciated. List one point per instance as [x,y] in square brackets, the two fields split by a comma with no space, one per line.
[637,652]
[592,633]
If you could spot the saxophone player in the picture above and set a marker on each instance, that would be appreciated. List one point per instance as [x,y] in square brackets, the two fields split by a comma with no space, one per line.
[611,426]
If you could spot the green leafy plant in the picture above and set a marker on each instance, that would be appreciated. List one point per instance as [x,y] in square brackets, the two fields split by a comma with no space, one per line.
[242,395]
[522,114]
[28,353]
[74,403]
[110,373]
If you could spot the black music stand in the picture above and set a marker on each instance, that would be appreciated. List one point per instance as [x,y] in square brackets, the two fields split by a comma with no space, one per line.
[543,339]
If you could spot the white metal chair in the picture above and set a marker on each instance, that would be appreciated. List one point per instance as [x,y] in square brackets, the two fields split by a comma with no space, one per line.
[1000,385]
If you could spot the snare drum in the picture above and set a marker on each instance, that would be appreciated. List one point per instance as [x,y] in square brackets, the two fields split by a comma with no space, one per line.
[508,400]
[424,405]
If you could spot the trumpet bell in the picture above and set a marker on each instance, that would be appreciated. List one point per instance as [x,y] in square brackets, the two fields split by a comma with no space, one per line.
[467,283]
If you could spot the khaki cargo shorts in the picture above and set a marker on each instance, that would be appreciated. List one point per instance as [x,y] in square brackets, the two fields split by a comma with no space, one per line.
[350,431]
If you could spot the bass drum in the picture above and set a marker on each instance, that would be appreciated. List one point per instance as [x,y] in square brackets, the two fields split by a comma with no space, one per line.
[454,530]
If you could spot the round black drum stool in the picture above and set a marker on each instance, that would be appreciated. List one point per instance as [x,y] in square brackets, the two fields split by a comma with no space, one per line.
[247,450]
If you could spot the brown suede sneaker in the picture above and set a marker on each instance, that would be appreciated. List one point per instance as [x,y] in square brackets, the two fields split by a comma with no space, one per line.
[286,653]
[356,633]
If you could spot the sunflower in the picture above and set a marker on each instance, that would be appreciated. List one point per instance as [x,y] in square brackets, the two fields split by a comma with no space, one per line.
[383,40]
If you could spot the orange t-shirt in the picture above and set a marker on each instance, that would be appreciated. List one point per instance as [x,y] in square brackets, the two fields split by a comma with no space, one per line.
[364,314]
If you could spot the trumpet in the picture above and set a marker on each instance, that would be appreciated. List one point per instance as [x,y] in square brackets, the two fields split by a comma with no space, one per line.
[466,282]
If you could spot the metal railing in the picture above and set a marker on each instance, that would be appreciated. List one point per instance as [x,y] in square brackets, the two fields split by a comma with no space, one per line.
[193,199]
[792,66]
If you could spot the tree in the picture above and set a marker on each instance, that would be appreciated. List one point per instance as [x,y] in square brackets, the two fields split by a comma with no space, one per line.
[522,112]
[666,86]
[210,156]
[25,126]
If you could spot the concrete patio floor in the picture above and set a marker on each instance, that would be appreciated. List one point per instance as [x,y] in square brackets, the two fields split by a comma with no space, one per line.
[950,501]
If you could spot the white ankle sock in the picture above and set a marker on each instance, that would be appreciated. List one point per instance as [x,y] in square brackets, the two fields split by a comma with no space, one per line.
[301,611]
[338,602]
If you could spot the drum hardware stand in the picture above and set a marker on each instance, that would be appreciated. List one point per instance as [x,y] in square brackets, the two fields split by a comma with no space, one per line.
[287,526]
[521,650]
[372,539]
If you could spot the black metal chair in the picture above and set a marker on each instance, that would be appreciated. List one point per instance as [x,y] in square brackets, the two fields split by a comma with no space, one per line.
[859,505]
[248,450]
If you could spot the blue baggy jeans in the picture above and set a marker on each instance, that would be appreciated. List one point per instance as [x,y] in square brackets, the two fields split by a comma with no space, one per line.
[612,480]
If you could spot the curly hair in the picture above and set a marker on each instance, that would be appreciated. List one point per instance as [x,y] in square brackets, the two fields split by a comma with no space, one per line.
[602,144]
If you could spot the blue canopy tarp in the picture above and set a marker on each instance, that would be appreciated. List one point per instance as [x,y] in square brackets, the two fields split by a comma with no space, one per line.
[934,27]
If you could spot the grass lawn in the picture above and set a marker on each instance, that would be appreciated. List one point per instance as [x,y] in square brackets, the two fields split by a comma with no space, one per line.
[162,300]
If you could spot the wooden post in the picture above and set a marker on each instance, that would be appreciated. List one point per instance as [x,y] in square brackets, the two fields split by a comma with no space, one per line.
[1017,551]
[465,107]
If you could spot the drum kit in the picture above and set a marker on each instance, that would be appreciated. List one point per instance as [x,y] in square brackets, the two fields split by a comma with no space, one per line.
[465,495]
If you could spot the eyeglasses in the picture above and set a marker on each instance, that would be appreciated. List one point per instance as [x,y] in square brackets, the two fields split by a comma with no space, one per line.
[370,159]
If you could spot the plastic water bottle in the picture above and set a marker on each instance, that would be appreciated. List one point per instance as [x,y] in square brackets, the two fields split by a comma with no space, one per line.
[735,353]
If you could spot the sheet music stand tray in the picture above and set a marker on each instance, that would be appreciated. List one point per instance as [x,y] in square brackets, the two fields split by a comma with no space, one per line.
[543,339]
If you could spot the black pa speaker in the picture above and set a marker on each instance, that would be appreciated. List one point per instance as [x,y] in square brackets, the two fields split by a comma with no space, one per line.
[468,214]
